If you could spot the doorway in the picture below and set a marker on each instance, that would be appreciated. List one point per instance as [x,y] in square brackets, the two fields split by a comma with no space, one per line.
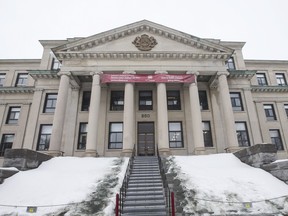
[146,139]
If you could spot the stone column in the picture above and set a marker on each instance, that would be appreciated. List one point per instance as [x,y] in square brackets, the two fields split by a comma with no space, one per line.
[128,118]
[228,114]
[59,115]
[92,130]
[162,118]
[197,132]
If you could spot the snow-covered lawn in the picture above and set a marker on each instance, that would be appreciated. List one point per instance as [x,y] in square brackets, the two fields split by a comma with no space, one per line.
[222,184]
[60,181]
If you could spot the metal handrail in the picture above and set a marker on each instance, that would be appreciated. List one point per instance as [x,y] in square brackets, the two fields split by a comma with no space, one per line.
[167,190]
[124,186]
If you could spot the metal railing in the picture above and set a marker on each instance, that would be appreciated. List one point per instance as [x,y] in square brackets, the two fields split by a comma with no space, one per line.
[169,195]
[121,196]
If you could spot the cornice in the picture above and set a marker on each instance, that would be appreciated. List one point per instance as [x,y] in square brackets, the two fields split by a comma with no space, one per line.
[269,88]
[141,55]
[43,74]
[242,74]
[16,90]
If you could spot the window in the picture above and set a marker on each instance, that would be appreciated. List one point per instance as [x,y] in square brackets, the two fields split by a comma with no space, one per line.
[44,137]
[207,135]
[269,112]
[203,100]
[145,100]
[230,65]
[86,101]
[276,139]
[173,100]
[261,78]
[22,79]
[175,135]
[286,109]
[115,135]
[6,143]
[2,79]
[242,134]
[82,136]
[50,103]
[280,78]
[236,101]
[55,64]
[13,115]
[117,100]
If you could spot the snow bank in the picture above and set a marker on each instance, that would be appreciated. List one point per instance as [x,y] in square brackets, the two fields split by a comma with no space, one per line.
[61,180]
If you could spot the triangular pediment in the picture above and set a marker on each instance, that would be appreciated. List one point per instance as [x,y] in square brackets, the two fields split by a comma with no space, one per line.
[120,42]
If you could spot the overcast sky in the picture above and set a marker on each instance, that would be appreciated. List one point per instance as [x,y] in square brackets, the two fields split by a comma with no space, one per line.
[262,24]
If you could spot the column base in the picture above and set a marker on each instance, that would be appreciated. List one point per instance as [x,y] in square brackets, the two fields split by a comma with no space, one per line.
[199,151]
[232,149]
[55,153]
[126,153]
[91,153]
[164,152]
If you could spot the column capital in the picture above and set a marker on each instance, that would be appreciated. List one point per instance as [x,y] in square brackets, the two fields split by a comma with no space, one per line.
[195,73]
[225,73]
[67,73]
[129,72]
[161,72]
[92,73]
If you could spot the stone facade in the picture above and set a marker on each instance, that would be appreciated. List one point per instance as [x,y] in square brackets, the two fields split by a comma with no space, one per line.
[229,103]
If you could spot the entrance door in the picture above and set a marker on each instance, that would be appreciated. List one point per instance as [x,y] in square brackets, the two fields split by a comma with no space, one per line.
[146,141]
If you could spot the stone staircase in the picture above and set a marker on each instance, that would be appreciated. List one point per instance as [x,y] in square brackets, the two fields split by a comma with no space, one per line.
[145,193]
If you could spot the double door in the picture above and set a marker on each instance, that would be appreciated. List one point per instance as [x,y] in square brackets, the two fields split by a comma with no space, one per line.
[146,139]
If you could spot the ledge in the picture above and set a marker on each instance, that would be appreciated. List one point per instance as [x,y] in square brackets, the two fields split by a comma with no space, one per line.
[269,88]
[52,74]
[16,90]
[246,74]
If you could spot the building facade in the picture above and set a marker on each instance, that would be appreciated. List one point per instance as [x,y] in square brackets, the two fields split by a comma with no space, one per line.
[142,86]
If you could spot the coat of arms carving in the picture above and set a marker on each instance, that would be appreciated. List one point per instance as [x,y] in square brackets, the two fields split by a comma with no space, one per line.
[144,42]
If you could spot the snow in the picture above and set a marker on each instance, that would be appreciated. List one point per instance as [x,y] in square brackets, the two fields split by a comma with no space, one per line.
[59,181]
[215,180]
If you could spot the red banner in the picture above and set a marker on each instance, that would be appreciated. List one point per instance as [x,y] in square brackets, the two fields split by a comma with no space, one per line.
[150,78]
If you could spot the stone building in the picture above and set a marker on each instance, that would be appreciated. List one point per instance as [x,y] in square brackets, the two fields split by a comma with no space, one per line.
[146,86]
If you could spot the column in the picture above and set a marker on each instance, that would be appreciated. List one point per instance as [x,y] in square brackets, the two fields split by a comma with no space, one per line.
[162,118]
[254,123]
[197,132]
[92,130]
[128,118]
[229,122]
[59,115]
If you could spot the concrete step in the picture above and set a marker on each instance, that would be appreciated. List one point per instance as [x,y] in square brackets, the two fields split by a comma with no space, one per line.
[146,171]
[144,197]
[145,184]
[144,174]
[143,178]
[151,188]
[144,202]
[145,193]
[146,214]
[144,209]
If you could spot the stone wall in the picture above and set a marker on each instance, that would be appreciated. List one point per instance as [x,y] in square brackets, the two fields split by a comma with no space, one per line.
[279,169]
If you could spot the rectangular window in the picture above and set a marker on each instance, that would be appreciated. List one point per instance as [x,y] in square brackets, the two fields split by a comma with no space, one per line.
[82,136]
[203,100]
[13,115]
[6,143]
[286,109]
[261,78]
[280,77]
[117,101]
[175,134]
[276,139]
[44,137]
[55,64]
[22,79]
[86,101]
[207,135]
[50,103]
[173,100]
[115,135]
[2,79]
[236,101]
[230,65]
[242,134]
[145,100]
[269,112]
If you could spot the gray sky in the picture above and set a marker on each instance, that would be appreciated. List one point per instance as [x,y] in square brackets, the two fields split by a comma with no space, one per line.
[262,24]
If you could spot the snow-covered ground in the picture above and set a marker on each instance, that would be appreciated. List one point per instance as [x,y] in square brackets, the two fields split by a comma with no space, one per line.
[222,184]
[59,181]
[212,183]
